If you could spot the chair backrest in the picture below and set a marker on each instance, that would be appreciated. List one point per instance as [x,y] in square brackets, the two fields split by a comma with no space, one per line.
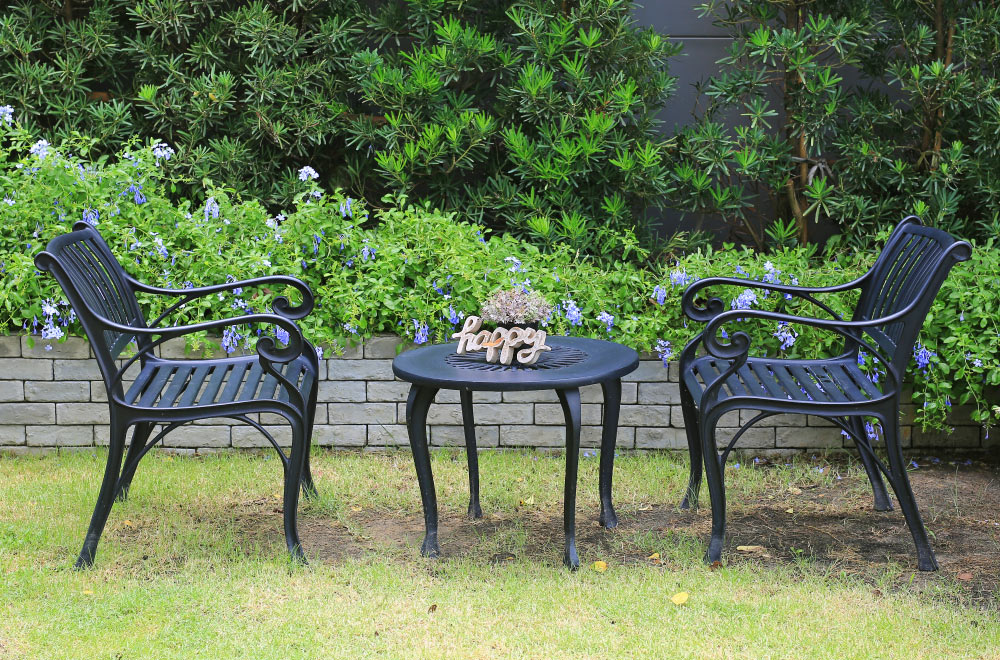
[96,286]
[910,269]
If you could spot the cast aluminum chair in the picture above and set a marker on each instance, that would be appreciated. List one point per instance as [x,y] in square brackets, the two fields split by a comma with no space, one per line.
[171,393]
[895,296]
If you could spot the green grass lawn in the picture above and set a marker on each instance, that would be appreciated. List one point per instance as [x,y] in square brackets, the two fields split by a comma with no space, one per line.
[193,565]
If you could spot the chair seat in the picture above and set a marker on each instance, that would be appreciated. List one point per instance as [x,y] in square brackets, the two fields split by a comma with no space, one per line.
[826,381]
[193,383]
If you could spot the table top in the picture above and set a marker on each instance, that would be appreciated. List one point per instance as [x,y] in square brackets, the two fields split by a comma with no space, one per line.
[572,362]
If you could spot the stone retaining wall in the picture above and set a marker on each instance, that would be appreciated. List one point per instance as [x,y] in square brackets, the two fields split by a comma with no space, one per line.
[54,398]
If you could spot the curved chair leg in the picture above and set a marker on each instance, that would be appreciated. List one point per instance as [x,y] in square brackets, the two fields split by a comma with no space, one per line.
[570,400]
[881,495]
[308,485]
[417,403]
[106,497]
[293,485]
[716,486]
[471,453]
[612,390]
[140,435]
[691,427]
[904,494]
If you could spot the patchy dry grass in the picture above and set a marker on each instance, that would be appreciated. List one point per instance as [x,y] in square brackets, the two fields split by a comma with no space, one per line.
[193,565]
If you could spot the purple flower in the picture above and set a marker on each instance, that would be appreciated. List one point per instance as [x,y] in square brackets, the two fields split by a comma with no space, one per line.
[211,209]
[660,294]
[367,251]
[679,278]
[136,190]
[420,332]
[786,334]
[923,356]
[745,300]
[230,339]
[162,150]
[607,319]
[6,114]
[91,216]
[664,350]
[573,314]
[40,149]
[453,316]
[307,173]
[281,334]
[515,264]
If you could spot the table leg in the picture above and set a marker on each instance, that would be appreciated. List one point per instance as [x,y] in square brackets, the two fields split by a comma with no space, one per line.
[609,435]
[472,454]
[417,403]
[570,400]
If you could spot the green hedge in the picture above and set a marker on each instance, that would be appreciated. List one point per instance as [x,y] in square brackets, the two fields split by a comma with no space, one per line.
[414,271]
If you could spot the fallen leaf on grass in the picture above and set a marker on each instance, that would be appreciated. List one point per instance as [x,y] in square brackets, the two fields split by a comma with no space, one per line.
[128,523]
[600,566]
[789,510]
[432,608]
[655,555]
[88,592]
[750,548]
[679,598]
[964,576]
[528,502]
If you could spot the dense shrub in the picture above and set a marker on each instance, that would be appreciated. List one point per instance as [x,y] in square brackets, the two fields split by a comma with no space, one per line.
[416,271]
[535,115]
[918,133]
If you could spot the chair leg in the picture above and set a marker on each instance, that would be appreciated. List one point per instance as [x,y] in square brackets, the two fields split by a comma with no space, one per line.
[694,448]
[293,486]
[308,485]
[881,495]
[904,494]
[140,435]
[471,453]
[106,497]
[716,487]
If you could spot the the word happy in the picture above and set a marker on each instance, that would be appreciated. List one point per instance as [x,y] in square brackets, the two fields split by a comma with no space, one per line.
[501,345]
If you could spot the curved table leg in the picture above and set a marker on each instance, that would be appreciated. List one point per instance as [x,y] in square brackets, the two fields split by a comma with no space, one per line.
[469,422]
[417,403]
[570,400]
[609,435]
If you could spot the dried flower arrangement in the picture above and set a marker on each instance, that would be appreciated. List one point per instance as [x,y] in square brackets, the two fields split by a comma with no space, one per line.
[507,307]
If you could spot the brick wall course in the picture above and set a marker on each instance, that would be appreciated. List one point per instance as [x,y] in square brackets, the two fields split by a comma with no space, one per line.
[52,399]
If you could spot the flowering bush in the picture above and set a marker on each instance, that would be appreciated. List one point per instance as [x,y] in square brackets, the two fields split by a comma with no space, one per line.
[417,272]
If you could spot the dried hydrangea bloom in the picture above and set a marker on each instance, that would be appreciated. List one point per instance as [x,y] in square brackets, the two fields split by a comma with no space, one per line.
[515,306]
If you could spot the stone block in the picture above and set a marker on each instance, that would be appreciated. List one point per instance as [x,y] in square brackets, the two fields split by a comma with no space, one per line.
[964,437]
[55,390]
[659,393]
[346,352]
[59,436]
[362,413]
[360,370]
[383,347]
[27,413]
[11,390]
[385,435]
[660,438]
[71,348]
[248,436]
[532,436]
[82,413]
[11,434]
[500,413]
[198,437]
[638,415]
[674,372]
[649,371]
[454,436]
[27,369]
[813,420]
[26,451]
[74,370]
[590,436]
[809,437]
[340,435]
[452,396]
[552,413]
[341,391]
[390,390]
[10,346]
[757,437]
[544,396]
[778,420]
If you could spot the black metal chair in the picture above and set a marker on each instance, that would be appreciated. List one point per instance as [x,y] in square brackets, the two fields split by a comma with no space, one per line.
[895,297]
[171,393]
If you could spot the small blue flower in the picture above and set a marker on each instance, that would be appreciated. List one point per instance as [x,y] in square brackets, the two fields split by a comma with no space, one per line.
[515,264]
[573,314]
[367,251]
[281,334]
[607,319]
[679,278]
[660,294]
[6,114]
[211,209]
[420,332]
[454,317]
[91,216]
[923,356]
[230,339]
[786,334]
[664,350]
[40,149]
[162,150]
[745,300]
[307,173]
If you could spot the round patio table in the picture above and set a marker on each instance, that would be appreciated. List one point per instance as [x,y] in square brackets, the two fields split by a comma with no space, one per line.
[572,363]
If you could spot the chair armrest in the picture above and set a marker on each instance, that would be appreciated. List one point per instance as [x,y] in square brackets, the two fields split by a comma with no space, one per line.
[715,306]
[280,306]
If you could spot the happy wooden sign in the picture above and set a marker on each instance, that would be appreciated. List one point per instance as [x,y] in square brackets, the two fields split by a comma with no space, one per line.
[501,345]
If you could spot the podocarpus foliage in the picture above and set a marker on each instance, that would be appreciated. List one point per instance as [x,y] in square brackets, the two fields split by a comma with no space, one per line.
[419,273]
[919,132]
[532,115]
